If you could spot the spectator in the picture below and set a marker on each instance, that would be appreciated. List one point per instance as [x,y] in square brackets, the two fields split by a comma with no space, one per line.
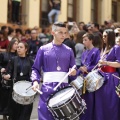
[69,42]
[79,47]
[11,33]
[34,44]
[5,31]
[81,24]
[27,35]
[55,5]
[43,36]
[3,42]
[5,57]
[19,34]
[95,29]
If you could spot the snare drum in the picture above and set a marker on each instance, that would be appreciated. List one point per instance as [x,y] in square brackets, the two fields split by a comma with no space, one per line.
[94,80]
[66,104]
[78,84]
[20,93]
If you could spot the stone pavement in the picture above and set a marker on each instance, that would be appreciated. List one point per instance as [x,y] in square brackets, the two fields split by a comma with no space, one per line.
[34,115]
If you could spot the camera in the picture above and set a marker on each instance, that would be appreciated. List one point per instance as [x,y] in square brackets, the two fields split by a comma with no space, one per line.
[70,23]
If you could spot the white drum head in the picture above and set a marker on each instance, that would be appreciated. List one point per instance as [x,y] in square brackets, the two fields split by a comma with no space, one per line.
[61,97]
[21,86]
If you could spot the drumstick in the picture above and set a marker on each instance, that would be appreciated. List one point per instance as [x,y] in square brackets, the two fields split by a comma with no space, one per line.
[64,77]
[85,71]
[29,87]
[116,76]
[39,91]
[95,66]
[36,90]
[98,63]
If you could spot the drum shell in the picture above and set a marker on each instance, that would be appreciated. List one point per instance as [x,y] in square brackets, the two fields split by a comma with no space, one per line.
[71,109]
[24,100]
[77,83]
[94,80]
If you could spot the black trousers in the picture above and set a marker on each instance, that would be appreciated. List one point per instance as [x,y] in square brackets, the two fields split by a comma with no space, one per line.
[15,11]
[20,112]
[4,101]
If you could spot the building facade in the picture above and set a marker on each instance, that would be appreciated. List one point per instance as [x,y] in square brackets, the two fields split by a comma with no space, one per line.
[34,12]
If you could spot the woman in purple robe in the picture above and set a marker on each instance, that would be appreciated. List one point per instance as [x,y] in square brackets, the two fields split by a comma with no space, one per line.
[55,59]
[89,59]
[107,103]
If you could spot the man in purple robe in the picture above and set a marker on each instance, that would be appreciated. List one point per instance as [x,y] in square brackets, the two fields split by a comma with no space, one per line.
[55,59]
[89,60]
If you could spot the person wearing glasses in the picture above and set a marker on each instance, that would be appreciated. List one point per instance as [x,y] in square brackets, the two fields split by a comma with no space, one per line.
[107,103]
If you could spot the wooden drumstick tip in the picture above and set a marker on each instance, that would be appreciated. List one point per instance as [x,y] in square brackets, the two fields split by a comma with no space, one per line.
[39,91]
[55,89]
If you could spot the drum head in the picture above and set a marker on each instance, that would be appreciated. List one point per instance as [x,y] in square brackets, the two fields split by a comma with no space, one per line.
[61,97]
[21,86]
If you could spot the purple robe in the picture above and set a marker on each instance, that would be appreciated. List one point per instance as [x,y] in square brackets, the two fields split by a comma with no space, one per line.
[47,60]
[89,59]
[107,103]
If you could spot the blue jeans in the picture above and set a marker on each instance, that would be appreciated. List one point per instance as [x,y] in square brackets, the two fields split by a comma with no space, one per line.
[51,13]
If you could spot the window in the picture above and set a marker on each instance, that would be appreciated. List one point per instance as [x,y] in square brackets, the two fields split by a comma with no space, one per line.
[71,10]
[44,9]
[114,11]
[94,10]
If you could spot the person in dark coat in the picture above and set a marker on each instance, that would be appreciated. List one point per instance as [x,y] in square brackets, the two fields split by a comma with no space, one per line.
[20,70]
[5,57]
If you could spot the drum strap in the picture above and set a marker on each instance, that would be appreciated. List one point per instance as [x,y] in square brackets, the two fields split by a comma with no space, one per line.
[30,62]
[15,69]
